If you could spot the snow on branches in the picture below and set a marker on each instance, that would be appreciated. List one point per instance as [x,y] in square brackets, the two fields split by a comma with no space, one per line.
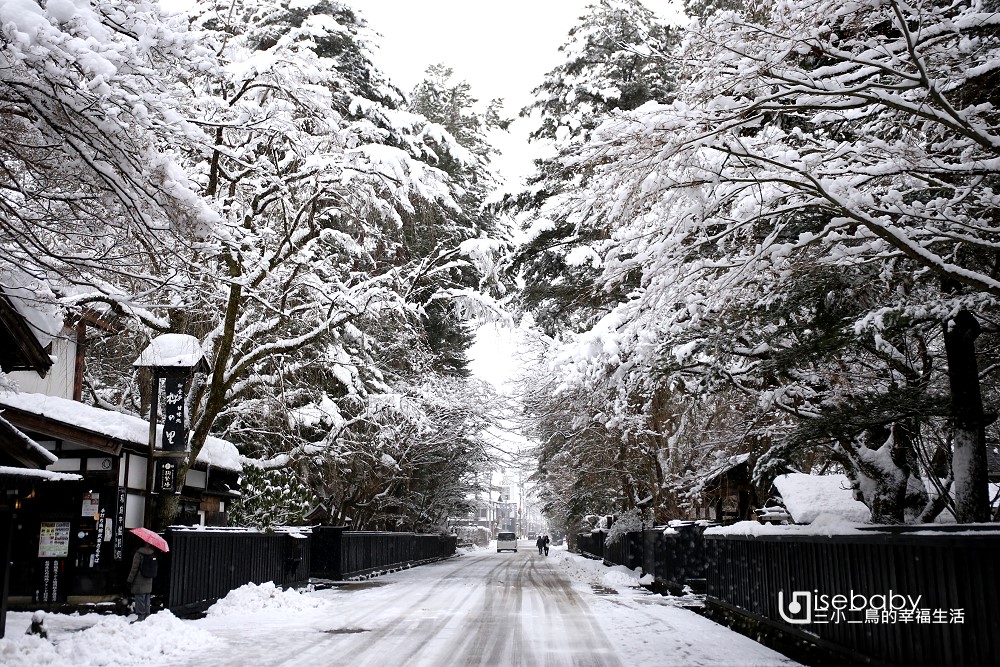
[805,222]
[244,174]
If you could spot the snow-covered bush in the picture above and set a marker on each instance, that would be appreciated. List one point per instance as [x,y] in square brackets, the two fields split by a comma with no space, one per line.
[628,522]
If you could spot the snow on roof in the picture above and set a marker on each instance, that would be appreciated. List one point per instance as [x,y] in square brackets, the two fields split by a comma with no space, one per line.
[44,475]
[221,453]
[171,350]
[822,524]
[117,425]
[727,465]
[808,496]
[708,478]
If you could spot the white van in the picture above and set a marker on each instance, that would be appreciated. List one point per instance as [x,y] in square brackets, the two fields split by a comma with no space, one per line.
[506,542]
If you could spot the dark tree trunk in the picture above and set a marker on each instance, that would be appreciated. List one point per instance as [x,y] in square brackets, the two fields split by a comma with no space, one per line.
[166,507]
[968,462]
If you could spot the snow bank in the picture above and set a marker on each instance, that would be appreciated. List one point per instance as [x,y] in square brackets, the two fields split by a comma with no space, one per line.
[262,597]
[824,524]
[594,572]
[111,641]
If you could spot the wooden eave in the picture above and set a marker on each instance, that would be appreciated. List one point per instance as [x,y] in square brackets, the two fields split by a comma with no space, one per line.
[14,447]
[28,421]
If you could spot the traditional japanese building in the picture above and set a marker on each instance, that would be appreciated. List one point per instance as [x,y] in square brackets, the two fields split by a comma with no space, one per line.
[726,492]
[68,541]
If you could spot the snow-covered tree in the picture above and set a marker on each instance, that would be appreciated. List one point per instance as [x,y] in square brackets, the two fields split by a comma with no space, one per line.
[811,221]
[617,57]
[457,130]
[245,175]
[91,188]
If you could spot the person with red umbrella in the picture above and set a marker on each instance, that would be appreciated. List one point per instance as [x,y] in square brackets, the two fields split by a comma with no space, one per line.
[144,569]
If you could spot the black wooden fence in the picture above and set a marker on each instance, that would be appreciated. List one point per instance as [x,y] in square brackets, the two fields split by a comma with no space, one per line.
[337,553]
[675,556]
[204,565]
[592,544]
[954,622]
[954,571]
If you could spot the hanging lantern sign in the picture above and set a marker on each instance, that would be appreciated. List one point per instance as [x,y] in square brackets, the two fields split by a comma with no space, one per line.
[173,359]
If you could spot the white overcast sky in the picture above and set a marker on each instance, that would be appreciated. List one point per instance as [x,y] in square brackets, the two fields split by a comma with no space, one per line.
[502,48]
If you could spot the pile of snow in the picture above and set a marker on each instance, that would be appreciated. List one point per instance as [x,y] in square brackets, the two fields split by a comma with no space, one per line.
[808,496]
[111,641]
[596,573]
[262,597]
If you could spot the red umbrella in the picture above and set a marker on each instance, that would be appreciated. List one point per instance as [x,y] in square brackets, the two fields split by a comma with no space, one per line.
[148,536]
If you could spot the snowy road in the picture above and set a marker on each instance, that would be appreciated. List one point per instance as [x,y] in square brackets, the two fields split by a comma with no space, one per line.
[481,608]
[484,608]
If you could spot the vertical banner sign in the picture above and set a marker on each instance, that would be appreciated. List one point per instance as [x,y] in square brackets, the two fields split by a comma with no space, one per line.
[174,437]
[101,521]
[119,526]
[174,434]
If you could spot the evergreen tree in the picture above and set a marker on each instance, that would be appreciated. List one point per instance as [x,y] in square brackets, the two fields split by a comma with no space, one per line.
[464,151]
[617,58]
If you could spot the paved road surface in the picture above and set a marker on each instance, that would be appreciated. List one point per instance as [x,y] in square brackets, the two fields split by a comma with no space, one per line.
[483,608]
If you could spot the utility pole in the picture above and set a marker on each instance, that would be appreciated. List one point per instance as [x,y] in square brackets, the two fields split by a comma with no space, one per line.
[520,501]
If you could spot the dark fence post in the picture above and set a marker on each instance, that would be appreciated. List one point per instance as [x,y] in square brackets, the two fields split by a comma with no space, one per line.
[326,552]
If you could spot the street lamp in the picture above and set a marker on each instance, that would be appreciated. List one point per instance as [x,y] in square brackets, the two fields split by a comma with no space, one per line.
[173,360]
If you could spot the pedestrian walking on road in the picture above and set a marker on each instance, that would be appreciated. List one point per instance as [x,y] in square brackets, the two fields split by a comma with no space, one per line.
[140,577]
[540,543]
[145,564]
[545,544]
